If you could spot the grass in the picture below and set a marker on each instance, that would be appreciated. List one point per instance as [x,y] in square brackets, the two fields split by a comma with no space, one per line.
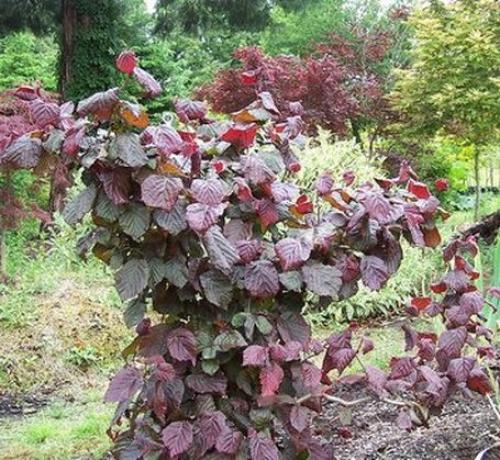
[59,432]
[59,317]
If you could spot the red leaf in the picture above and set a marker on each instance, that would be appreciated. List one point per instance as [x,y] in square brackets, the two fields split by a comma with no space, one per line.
[478,381]
[442,185]
[303,205]
[419,189]
[126,62]
[270,379]
[421,303]
[249,78]
[178,437]
[267,212]
[241,136]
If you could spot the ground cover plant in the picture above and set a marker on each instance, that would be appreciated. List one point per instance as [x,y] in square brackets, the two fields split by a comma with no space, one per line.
[203,224]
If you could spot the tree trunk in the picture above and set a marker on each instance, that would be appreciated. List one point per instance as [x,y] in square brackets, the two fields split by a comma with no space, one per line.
[478,185]
[357,134]
[3,254]
[69,24]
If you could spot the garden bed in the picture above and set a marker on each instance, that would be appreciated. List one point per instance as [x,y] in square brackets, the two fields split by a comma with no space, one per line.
[463,430]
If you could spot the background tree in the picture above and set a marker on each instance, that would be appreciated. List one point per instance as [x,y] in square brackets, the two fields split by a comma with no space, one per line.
[452,85]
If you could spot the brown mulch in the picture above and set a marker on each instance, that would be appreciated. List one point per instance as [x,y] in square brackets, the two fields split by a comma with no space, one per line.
[460,432]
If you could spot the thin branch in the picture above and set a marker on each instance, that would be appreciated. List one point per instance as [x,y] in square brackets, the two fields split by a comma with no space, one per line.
[494,406]
[346,403]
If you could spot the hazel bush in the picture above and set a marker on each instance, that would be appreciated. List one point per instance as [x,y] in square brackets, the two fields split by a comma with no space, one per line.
[215,251]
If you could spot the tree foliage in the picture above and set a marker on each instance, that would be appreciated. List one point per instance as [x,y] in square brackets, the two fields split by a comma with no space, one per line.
[199,16]
[25,58]
[452,84]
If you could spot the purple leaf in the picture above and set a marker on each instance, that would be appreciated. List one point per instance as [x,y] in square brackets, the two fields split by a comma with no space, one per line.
[117,185]
[460,368]
[229,442]
[374,272]
[401,367]
[212,425]
[324,184]
[161,191]
[101,103]
[178,437]
[376,380]
[337,358]
[378,207]
[201,217]
[293,328]
[293,252]
[262,447]
[452,341]
[223,254]
[44,113]
[262,279]
[124,385]
[203,383]
[324,280]
[404,420]
[209,191]
[188,110]
[181,345]
[255,355]
[256,171]
[24,152]
[248,250]
[165,138]
[300,418]
[132,278]
[236,230]
[147,81]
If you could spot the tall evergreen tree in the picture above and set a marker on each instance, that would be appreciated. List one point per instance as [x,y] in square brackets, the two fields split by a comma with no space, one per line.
[198,16]
[91,33]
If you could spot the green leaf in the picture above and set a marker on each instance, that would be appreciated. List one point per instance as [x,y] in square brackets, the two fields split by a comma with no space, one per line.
[229,340]
[217,288]
[292,281]
[76,209]
[176,272]
[127,147]
[132,278]
[134,313]
[135,220]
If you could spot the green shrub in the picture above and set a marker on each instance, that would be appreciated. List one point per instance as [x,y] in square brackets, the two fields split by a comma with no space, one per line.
[25,58]
[324,153]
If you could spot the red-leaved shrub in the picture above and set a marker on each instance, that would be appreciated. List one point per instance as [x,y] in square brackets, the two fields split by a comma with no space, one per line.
[217,252]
